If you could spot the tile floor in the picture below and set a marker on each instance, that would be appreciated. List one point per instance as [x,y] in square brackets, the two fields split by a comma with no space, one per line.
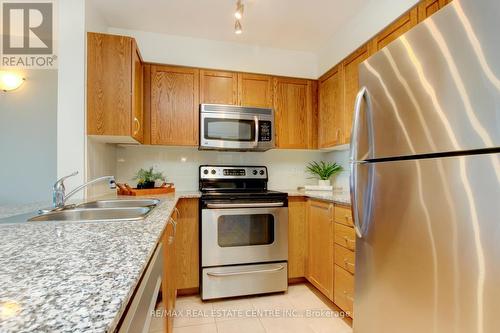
[301,309]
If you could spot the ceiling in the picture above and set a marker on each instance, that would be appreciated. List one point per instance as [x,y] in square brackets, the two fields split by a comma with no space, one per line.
[286,24]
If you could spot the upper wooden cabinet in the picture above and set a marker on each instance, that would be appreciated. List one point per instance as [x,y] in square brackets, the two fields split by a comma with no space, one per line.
[428,7]
[174,105]
[295,113]
[351,87]
[255,90]
[114,88]
[321,246]
[394,30]
[330,109]
[218,87]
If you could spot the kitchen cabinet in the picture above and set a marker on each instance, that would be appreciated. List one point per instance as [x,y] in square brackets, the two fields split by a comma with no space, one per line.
[218,87]
[350,88]
[294,105]
[114,88]
[397,28]
[297,237]
[321,246]
[187,246]
[168,284]
[174,105]
[255,90]
[428,7]
[330,109]
[344,290]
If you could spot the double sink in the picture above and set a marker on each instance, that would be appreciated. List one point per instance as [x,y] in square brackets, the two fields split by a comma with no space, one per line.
[102,210]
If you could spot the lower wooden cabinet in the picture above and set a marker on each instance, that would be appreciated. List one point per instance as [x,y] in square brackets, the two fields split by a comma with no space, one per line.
[320,254]
[168,285]
[187,245]
[297,237]
[345,236]
[344,290]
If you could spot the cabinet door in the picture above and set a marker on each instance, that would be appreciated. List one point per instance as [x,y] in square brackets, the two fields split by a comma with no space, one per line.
[344,290]
[293,104]
[217,87]
[168,285]
[428,7]
[395,30]
[330,113]
[351,87]
[255,90]
[137,95]
[297,237]
[174,106]
[321,253]
[109,85]
[186,245]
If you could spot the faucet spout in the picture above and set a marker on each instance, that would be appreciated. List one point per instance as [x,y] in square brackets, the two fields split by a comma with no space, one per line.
[60,197]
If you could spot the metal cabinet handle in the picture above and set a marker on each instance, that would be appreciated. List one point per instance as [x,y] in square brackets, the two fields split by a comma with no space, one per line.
[348,240]
[347,263]
[255,271]
[177,212]
[171,239]
[137,125]
[349,297]
[246,205]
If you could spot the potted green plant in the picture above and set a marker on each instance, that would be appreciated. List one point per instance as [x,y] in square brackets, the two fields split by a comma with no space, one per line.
[323,171]
[147,178]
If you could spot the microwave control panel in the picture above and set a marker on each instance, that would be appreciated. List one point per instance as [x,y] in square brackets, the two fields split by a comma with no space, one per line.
[265,132]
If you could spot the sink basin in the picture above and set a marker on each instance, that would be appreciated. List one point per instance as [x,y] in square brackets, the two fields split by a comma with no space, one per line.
[95,214]
[120,203]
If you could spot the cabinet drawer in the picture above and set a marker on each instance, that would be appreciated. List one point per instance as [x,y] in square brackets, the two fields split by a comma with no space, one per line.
[344,290]
[345,236]
[344,258]
[343,215]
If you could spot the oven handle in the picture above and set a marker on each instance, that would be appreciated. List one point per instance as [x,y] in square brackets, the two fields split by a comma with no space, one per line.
[246,205]
[254,271]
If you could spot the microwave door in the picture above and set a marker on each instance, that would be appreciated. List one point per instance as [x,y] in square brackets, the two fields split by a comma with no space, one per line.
[229,131]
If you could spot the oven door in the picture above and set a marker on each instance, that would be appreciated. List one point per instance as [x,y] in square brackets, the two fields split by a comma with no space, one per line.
[244,235]
[229,131]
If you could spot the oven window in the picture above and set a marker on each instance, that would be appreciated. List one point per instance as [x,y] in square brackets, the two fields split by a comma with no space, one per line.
[229,129]
[245,230]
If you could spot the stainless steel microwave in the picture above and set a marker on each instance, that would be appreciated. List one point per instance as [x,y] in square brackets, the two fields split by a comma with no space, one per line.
[229,127]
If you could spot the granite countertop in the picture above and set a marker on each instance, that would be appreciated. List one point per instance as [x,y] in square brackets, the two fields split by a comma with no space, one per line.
[339,197]
[75,276]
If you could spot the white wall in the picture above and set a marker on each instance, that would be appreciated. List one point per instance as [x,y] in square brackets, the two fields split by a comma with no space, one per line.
[286,167]
[341,181]
[71,92]
[376,16]
[28,153]
[196,52]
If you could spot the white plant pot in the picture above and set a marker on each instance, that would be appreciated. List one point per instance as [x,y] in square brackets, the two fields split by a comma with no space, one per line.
[323,182]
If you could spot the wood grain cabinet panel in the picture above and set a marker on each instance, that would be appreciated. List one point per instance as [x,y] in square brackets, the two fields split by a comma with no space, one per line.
[344,290]
[174,105]
[397,28]
[255,90]
[351,87]
[297,237]
[428,7]
[187,245]
[218,87]
[321,246]
[293,105]
[345,236]
[345,258]
[330,109]
[114,81]
[343,215]
[168,284]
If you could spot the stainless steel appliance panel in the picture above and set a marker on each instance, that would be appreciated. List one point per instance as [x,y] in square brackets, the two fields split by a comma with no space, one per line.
[436,88]
[429,253]
[218,282]
[238,235]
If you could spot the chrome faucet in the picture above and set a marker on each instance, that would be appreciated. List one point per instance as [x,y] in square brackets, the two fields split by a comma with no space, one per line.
[59,196]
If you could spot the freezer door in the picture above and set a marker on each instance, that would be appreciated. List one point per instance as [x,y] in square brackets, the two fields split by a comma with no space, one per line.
[428,259]
[436,88]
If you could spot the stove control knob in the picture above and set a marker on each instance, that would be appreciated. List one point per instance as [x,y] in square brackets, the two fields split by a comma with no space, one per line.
[261,172]
[205,172]
[213,171]
[254,172]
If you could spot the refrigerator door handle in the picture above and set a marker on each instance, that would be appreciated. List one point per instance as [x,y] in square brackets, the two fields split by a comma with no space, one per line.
[354,199]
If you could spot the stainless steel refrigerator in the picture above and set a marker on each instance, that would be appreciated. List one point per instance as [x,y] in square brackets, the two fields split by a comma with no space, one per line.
[425,177]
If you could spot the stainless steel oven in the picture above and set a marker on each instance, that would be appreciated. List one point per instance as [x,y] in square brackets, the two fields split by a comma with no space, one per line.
[244,233]
[229,127]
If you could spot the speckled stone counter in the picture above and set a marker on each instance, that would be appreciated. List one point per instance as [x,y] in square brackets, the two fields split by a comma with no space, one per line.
[75,276]
[342,197]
